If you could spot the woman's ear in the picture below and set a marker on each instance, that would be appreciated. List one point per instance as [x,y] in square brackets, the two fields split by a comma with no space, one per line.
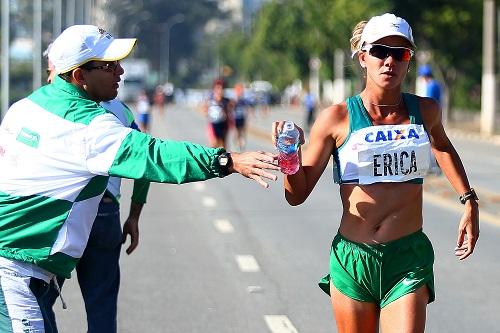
[361,58]
[409,66]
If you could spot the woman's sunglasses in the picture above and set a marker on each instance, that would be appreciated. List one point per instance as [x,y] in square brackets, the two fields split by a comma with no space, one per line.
[380,51]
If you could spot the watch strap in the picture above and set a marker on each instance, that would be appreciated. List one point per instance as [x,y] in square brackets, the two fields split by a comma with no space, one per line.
[469,195]
[224,167]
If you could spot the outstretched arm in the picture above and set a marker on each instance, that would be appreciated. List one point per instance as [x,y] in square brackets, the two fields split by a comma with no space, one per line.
[127,153]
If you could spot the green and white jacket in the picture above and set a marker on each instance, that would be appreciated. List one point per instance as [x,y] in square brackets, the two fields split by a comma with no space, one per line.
[141,186]
[57,150]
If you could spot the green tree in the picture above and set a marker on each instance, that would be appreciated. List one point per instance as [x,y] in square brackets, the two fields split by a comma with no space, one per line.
[452,32]
[289,32]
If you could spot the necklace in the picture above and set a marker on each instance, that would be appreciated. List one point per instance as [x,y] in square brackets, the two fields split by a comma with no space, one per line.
[389,105]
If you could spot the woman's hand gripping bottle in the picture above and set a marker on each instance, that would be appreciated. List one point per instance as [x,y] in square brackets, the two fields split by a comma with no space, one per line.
[288,146]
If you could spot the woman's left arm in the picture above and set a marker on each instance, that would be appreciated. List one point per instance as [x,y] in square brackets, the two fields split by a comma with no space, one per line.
[450,163]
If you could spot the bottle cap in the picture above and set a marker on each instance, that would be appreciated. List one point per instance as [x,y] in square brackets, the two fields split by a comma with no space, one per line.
[288,126]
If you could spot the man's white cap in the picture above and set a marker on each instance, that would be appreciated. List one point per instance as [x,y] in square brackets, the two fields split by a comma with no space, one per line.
[385,25]
[79,44]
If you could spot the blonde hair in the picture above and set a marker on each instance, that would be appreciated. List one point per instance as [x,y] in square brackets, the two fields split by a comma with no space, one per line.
[356,36]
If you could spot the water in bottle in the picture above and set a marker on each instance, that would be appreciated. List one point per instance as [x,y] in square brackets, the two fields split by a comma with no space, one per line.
[288,145]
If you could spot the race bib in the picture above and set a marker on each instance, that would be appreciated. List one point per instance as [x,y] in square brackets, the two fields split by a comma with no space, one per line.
[239,111]
[216,114]
[392,153]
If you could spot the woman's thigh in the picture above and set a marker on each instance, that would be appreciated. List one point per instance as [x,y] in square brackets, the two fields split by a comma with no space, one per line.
[406,314]
[353,316]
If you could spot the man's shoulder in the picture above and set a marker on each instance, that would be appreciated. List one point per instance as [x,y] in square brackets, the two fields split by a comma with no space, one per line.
[115,106]
[66,105]
[120,110]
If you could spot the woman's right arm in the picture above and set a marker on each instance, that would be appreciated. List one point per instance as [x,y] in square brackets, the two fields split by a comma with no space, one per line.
[450,163]
[315,158]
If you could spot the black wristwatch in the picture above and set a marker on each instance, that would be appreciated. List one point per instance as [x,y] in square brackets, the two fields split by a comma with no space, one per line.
[225,162]
[470,194]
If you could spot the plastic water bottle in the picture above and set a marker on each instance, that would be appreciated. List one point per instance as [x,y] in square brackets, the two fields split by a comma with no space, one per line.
[288,145]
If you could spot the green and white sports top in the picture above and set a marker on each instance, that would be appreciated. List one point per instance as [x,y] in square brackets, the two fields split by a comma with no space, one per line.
[382,153]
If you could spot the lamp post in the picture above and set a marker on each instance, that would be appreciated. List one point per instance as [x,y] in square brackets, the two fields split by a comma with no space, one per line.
[37,44]
[165,28]
[70,13]
[5,58]
[488,84]
[57,18]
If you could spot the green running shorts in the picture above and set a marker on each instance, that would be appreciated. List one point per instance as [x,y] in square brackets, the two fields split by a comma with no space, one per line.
[381,273]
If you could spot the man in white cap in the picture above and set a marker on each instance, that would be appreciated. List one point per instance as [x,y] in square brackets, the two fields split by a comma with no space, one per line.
[98,270]
[58,147]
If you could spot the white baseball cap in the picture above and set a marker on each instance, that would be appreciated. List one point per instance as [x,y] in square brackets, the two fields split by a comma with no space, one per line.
[385,25]
[79,44]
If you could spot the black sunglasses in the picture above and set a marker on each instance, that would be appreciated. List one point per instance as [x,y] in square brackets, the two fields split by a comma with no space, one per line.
[380,51]
[108,67]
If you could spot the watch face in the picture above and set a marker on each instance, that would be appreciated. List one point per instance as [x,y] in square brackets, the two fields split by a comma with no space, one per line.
[223,160]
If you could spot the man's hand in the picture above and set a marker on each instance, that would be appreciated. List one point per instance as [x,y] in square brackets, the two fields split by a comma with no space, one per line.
[253,165]
[131,226]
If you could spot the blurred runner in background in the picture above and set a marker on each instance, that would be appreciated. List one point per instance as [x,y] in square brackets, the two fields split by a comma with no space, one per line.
[432,88]
[218,109]
[159,100]
[242,107]
[310,106]
[143,108]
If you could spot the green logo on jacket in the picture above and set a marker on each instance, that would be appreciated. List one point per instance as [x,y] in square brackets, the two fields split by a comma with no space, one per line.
[28,137]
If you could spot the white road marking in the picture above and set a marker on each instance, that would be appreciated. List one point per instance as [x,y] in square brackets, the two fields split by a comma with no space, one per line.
[223,226]
[247,263]
[209,202]
[199,186]
[255,289]
[279,324]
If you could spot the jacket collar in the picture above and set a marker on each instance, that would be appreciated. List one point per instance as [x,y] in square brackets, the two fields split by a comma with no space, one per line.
[70,88]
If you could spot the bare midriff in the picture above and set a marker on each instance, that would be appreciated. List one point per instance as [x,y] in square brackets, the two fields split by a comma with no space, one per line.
[381,212]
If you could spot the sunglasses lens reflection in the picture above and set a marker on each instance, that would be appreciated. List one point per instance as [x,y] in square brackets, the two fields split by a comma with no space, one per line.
[398,53]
